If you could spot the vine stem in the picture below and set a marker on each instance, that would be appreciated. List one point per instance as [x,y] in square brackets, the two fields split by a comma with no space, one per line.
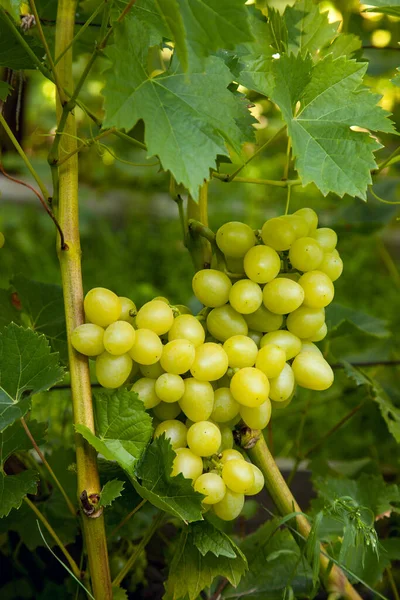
[74,567]
[85,145]
[334,579]
[48,467]
[128,517]
[71,274]
[199,247]
[273,182]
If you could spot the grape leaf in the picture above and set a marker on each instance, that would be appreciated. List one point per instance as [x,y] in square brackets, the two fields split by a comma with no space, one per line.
[208,538]
[123,428]
[346,44]
[172,17]
[342,320]
[44,304]
[12,54]
[175,495]
[119,593]
[382,6]
[111,491]
[14,488]
[191,571]
[12,7]
[14,438]
[26,367]
[8,311]
[5,90]
[308,29]
[168,102]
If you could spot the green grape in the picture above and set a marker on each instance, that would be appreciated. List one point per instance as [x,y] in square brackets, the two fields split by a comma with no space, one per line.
[230,454]
[170,387]
[235,239]
[238,476]
[166,411]
[147,348]
[153,371]
[198,399]
[278,233]
[282,296]
[162,299]
[320,334]
[255,336]
[305,322]
[250,387]
[230,506]
[262,264]
[226,438]
[257,417]
[224,322]
[290,343]
[332,265]
[245,296]
[119,338]
[263,320]
[211,486]
[311,218]
[282,386]
[258,482]
[187,327]
[178,356]
[146,390]
[211,287]
[175,431]
[183,310]
[187,463]
[225,406]
[235,265]
[326,238]
[210,363]
[318,289]
[88,339]
[306,254]
[311,371]
[2,239]
[204,438]
[241,351]
[113,371]
[299,225]
[310,347]
[156,316]
[128,310]
[270,360]
[102,306]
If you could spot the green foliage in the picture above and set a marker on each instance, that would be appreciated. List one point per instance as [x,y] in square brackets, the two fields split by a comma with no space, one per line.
[111,491]
[5,90]
[12,54]
[382,6]
[8,311]
[14,488]
[343,320]
[14,438]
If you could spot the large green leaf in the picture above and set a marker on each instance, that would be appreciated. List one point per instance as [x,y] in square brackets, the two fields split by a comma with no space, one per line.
[342,320]
[308,29]
[27,366]
[14,438]
[208,538]
[123,428]
[170,102]
[14,488]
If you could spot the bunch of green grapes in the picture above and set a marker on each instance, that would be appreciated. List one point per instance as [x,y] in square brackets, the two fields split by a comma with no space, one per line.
[254,340]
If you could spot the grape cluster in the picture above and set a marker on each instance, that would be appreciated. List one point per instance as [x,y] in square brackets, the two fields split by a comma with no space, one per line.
[247,348]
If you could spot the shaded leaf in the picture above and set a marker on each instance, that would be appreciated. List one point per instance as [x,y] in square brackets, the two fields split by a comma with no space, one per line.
[8,311]
[14,488]
[385,7]
[14,438]
[308,29]
[343,320]
[12,54]
[5,90]
[110,492]
[208,538]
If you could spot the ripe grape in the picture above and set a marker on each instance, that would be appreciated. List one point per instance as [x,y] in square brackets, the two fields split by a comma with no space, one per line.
[241,351]
[262,264]
[178,356]
[258,482]
[282,386]
[128,310]
[270,360]
[153,371]
[145,389]
[169,387]
[147,348]
[156,316]
[88,339]
[311,218]
[305,322]
[175,431]
[211,486]
[211,287]
[197,401]
[187,327]
[245,296]
[263,320]
[310,347]
[299,224]
[226,437]
[102,306]
[113,371]
[312,371]
[187,463]
[204,438]
[235,239]
[119,337]
[332,265]
[230,454]
[166,411]
[278,233]
[224,322]
[250,387]
[230,506]
[290,343]
[326,238]
[306,254]
[210,363]
[225,406]
[320,334]
[256,417]
[256,337]
[282,296]
[238,476]
[318,289]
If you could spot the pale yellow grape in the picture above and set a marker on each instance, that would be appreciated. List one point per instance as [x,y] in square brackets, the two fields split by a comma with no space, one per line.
[245,296]
[145,389]
[262,264]
[305,322]
[238,476]
[128,310]
[235,239]
[278,233]
[119,337]
[332,265]
[263,320]
[257,417]
[187,327]
[211,486]
[225,406]
[318,289]
[170,387]
[311,218]
[197,401]
[204,438]
[320,334]
[312,371]
[156,316]
[211,287]
[230,454]
[306,254]
[153,371]
[147,348]
[175,431]
[210,363]
[250,387]
[167,410]
[299,225]
[282,296]
[187,464]
[226,437]
[88,339]
[102,306]
[178,356]
[230,507]
[290,343]
[270,360]
[310,347]
[281,388]
[113,371]
[326,238]
[241,351]
[258,482]
[224,322]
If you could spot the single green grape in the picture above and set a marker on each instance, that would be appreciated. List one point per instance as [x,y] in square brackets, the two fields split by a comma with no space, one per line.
[211,287]
[183,310]
[263,320]
[113,371]
[210,363]
[102,306]
[318,289]
[250,387]
[270,360]
[298,223]
[224,322]
[241,351]
[225,406]
[156,316]
[187,327]
[305,322]
[119,338]
[211,486]
[245,296]
[235,265]
[178,356]
[320,334]
[256,417]
[146,390]
[238,476]
[165,411]
[230,507]
[262,264]
[204,438]
[282,387]
[226,437]
[311,218]
[332,265]
[326,238]
[310,347]
[258,481]
[311,371]
[230,454]
[290,343]
[153,371]
[235,239]
[197,401]
[282,296]
[169,387]
[175,431]
[306,254]
[128,310]
[278,233]
[147,348]
[88,339]
[187,463]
